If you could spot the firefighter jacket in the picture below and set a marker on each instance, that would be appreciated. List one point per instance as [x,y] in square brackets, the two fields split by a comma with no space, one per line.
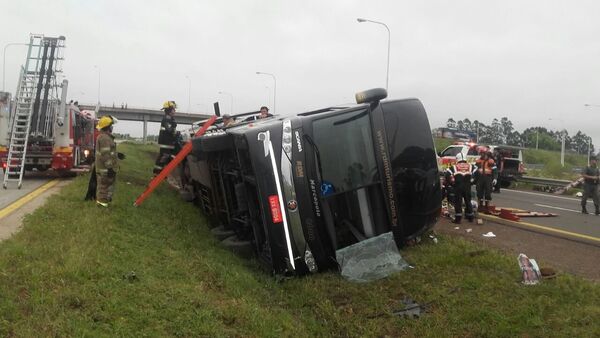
[106,153]
[460,174]
[168,131]
[486,167]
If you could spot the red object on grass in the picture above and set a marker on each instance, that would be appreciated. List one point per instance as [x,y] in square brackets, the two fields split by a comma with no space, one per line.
[187,148]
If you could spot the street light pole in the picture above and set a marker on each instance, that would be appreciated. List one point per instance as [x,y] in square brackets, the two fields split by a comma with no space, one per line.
[387,76]
[274,88]
[98,67]
[189,110]
[231,97]
[589,148]
[4,61]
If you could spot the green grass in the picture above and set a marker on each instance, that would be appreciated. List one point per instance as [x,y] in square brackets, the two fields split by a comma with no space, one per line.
[68,273]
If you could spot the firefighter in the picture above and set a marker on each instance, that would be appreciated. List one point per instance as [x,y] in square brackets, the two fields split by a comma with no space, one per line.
[106,164]
[591,178]
[486,179]
[460,177]
[167,137]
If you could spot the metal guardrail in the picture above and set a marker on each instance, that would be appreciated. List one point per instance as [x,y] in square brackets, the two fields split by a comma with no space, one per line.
[543,181]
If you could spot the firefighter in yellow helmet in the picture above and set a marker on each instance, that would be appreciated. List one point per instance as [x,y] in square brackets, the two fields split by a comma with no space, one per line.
[106,160]
[167,137]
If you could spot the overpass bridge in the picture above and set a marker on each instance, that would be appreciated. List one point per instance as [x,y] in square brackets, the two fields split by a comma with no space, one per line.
[143,115]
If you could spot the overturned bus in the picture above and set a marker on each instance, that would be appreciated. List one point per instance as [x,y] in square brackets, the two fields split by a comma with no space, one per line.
[296,189]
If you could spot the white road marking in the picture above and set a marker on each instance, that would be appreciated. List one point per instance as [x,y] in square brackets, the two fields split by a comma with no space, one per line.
[544,195]
[558,208]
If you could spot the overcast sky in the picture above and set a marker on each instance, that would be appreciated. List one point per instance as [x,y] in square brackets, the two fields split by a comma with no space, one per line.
[530,61]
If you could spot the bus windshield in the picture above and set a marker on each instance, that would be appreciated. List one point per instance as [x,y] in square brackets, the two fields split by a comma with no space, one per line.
[347,157]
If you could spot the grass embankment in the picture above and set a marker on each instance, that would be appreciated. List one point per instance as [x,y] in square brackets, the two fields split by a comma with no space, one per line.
[68,273]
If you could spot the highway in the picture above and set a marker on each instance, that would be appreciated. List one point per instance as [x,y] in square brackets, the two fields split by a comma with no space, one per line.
[31,182]
[568,209]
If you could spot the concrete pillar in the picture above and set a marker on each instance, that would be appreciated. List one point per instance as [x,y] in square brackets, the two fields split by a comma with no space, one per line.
[145,128]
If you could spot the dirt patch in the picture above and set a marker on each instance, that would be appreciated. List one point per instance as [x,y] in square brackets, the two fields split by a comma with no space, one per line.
[549,251]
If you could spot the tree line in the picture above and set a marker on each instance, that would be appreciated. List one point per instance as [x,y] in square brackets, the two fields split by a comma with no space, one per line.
[502,132]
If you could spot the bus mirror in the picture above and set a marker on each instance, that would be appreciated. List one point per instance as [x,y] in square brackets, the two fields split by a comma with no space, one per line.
[371,95]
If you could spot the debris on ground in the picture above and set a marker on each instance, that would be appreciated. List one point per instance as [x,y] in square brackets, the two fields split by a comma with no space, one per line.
[371,259]
[529,270]
[433,238]
[489,234]
[411,309]
[468,230]
[479,221]
[547,273]
[130,276]
[456,228]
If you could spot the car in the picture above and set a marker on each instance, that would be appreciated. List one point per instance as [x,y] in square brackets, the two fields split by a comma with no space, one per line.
[293,190]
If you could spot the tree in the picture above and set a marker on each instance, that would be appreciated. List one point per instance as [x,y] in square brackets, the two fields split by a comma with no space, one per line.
[451,123]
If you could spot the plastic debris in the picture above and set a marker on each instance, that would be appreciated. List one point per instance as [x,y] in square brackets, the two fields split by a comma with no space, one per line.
[456,228]
[529,270]
[371,259]
[479,221]
[468,230]
[489,234]
[434,239]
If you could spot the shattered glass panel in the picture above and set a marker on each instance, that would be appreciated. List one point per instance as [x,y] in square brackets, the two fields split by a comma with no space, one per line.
[371,259]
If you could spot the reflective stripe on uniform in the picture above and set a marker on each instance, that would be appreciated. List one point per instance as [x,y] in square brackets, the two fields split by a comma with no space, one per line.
[101,170]
[164,146]
[108,163]
[104,150]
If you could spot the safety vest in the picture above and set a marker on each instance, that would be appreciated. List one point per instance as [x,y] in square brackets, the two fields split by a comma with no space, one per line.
[486,167]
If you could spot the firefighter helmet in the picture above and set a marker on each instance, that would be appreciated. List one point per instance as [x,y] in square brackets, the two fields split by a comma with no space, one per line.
[169,104]
[106,121]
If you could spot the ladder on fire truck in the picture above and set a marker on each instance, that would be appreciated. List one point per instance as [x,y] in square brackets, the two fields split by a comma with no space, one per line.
[36,78]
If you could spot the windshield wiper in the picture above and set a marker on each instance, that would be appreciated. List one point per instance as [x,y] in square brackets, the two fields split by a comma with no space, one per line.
[317,155]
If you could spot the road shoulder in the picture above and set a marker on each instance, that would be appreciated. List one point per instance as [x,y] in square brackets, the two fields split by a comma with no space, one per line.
[564,254]
[12,223]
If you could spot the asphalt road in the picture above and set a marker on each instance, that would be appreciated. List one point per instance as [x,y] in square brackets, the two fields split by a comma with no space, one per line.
[568,209]
[31,182]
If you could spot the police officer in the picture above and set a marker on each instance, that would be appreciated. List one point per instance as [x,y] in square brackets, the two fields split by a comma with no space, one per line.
[106,163]
[591,177]
[167,137]
[459,176]
[486,179]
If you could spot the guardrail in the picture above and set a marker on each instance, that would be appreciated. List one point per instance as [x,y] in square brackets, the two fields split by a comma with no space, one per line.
[544,181]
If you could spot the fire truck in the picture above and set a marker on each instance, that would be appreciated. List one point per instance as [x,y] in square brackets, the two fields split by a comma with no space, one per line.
[38,128]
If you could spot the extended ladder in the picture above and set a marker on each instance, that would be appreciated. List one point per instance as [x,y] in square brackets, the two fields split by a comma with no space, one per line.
[36,81]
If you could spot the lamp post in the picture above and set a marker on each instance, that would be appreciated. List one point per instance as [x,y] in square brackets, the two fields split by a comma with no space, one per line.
[189,109]
[537,137]
[387,76]
[563,134]
[231,97]
[98,67]
[590,138]
[4,61]
[268,93]
[274,88]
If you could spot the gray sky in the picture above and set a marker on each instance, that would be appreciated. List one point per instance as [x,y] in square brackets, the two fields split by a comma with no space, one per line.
[527,60]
